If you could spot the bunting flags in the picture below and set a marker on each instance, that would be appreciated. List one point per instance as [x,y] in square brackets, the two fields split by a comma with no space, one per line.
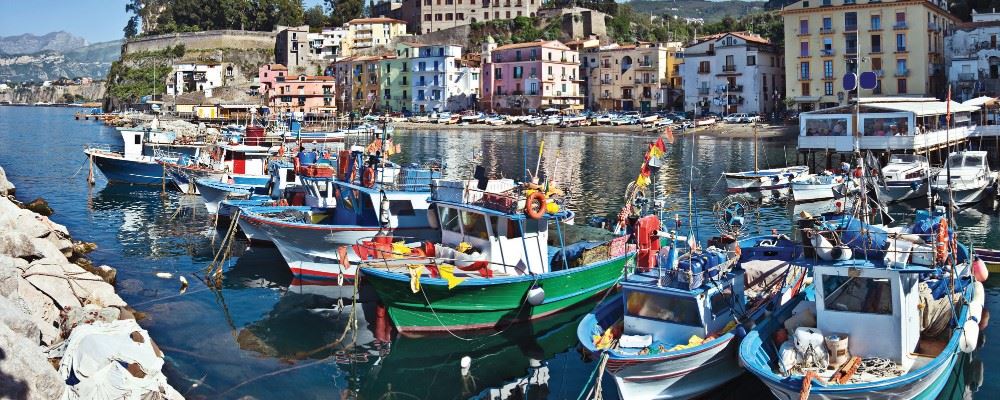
[656,150]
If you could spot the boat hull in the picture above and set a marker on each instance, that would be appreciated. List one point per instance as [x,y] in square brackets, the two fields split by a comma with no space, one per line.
[134,171]
[963,197]
[487,303]
[809,192]
[213,193]
[893,192]
[762,180]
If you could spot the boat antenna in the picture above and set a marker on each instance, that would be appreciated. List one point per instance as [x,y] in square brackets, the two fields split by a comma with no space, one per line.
[691,217]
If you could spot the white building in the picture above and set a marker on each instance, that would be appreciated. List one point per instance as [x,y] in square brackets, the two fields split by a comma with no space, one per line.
[732,72]
[973,57]
[186,78]
[326,45]
[439,80]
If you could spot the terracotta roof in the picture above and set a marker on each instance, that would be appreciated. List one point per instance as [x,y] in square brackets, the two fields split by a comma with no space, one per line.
[550,44]
[974,25]
[276,67]
[750,37]
[291,78]
[377,20]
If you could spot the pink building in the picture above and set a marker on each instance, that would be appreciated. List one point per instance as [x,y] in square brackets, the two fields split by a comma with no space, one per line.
[524,78]
[301,93]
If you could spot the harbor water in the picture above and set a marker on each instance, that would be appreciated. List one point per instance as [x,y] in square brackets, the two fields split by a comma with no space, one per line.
[266,336]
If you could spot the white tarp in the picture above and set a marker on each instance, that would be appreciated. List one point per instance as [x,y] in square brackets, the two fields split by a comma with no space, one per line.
[96,358]
[980,101]
[923,108]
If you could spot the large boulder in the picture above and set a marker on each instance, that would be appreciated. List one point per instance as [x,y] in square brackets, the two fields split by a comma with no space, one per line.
[10,274]
[50,279]
[27,372]
[39,206]
[48,250]
[18,245]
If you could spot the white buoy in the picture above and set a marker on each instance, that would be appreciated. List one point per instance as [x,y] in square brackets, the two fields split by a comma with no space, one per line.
[466,365]
[184,283]
[536,295]
[970,336]
[978,293]
[164,275]
[975,311]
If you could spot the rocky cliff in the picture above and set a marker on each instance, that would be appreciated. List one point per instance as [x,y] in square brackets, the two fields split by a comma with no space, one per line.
[46,65]
[29,43]
[53,94]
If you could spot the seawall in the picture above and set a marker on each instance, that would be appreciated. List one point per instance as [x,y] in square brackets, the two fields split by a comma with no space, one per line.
[65,332]
[206,40]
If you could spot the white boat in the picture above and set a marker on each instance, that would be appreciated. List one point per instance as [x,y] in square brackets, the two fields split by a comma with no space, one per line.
[772,178]
[905,177]
[970,181]
[705,121]
[496,121]
[819,186]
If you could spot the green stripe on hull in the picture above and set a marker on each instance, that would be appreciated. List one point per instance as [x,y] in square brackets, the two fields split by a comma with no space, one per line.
[484,303]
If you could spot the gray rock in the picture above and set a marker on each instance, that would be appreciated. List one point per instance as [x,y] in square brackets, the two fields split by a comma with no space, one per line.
[10,271]
[34,225]
[17,321]
[50,279]
[48,250]
[28,372]
[6,188]
[18,245]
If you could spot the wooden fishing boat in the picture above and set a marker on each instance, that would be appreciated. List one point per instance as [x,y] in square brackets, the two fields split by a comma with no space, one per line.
[137,161]
[509,267]
[990,257]
[762,179]
[814,187]
[673,333]
[892,335]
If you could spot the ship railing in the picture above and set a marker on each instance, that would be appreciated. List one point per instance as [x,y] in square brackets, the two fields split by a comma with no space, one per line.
[104,147]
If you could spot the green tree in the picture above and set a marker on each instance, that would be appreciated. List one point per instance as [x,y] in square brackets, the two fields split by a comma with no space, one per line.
[344,10]
[315,17]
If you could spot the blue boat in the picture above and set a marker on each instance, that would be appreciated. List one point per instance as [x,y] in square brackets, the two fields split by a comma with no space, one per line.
[136,162]
[882,320]
[674,330]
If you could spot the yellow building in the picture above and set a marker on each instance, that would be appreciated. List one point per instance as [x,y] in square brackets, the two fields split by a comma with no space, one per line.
[901,41]
[639,76]
[368,34]
[359,83]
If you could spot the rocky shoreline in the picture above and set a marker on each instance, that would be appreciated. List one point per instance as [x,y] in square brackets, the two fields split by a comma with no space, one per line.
[65,333]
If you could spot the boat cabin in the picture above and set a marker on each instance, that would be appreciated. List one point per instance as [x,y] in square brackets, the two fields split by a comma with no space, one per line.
[148,142]
[240,159]
[876,308]
[670,311]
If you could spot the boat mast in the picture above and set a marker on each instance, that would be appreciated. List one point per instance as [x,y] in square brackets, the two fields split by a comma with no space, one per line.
[755,165]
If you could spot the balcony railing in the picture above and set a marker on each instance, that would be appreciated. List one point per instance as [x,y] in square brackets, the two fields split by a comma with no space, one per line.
[899,25]
[828,52]
[729,68]
[851,50]
[645,64]
[876,49]
[606,81]
[933,26]
[704,71]
[734,88]
[804,33]
[903,72]
[901,49]
[803,77]
[850,28]
[826,31]
[967,76]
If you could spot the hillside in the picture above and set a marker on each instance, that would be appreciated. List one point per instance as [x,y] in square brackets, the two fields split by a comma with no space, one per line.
[709,10]
[86,61]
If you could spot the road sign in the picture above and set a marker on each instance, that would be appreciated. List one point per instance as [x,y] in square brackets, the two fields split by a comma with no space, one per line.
[868,80]
[850,82]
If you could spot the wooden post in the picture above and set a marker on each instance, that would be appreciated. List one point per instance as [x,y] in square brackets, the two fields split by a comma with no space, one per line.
[90,173]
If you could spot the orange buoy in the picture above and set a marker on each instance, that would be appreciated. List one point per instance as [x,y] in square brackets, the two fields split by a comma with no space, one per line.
[534,207]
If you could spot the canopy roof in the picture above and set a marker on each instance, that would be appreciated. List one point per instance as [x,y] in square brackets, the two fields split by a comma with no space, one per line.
[982,101]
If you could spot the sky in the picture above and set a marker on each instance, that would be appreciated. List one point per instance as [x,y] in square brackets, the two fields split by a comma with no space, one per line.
[94,20]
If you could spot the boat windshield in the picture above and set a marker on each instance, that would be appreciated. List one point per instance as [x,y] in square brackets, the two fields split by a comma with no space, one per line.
[904,158]
[857,294]
[675,309]
[973,161]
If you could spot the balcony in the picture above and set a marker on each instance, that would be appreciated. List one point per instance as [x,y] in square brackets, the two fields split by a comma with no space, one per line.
[902,73]
[804,33]
[704,70]
[934,26]
[850,29]
[645,64]
[703,91]
[729,68]
[826,31]
[734,88]
[532,93]
[828,52]
[828,77]
[901,49]
[804,77]
[606,81]
[851,50]
[803,54]
[875,29]
[876,50]
[967,76]
[878,72]
[899,25]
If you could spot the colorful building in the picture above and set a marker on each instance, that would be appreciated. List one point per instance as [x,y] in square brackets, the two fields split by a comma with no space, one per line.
[440,82]
[901,41]
[359,83]
[733,72]
[396,86]
[296,93]
[973,56]
[424,16]
[530,77]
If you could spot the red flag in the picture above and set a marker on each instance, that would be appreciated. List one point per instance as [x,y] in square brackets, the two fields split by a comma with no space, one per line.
[670,138]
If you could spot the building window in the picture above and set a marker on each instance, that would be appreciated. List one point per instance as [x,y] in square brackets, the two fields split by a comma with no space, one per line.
[901,86]
[851,21]
[427,17]
[448,17]
[876,43]
[803,26]
[387,94]
[901,66]
[900,42]
[804,49]
[460,16]
[827,23]
[518,72]
[804,70]
[828,69]
[805,88]
[876,64]
[751,60]
[438,17]
[876,22]
[828,88]
[497,72]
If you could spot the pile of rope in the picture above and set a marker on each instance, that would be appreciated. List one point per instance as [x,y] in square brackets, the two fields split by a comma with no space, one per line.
[878,367]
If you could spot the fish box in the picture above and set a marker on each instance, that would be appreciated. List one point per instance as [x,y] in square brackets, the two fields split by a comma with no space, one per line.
[321,171]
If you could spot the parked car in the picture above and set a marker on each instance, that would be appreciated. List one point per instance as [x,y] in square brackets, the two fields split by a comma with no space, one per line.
[751,118]
[735,118]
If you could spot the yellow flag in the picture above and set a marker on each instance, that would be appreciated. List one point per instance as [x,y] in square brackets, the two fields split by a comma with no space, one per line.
[448,273]
[642,181]
[655,152]
[415,271]
[399,249]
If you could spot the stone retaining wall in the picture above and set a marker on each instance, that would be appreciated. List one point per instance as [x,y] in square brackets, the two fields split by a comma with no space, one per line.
[221,39]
